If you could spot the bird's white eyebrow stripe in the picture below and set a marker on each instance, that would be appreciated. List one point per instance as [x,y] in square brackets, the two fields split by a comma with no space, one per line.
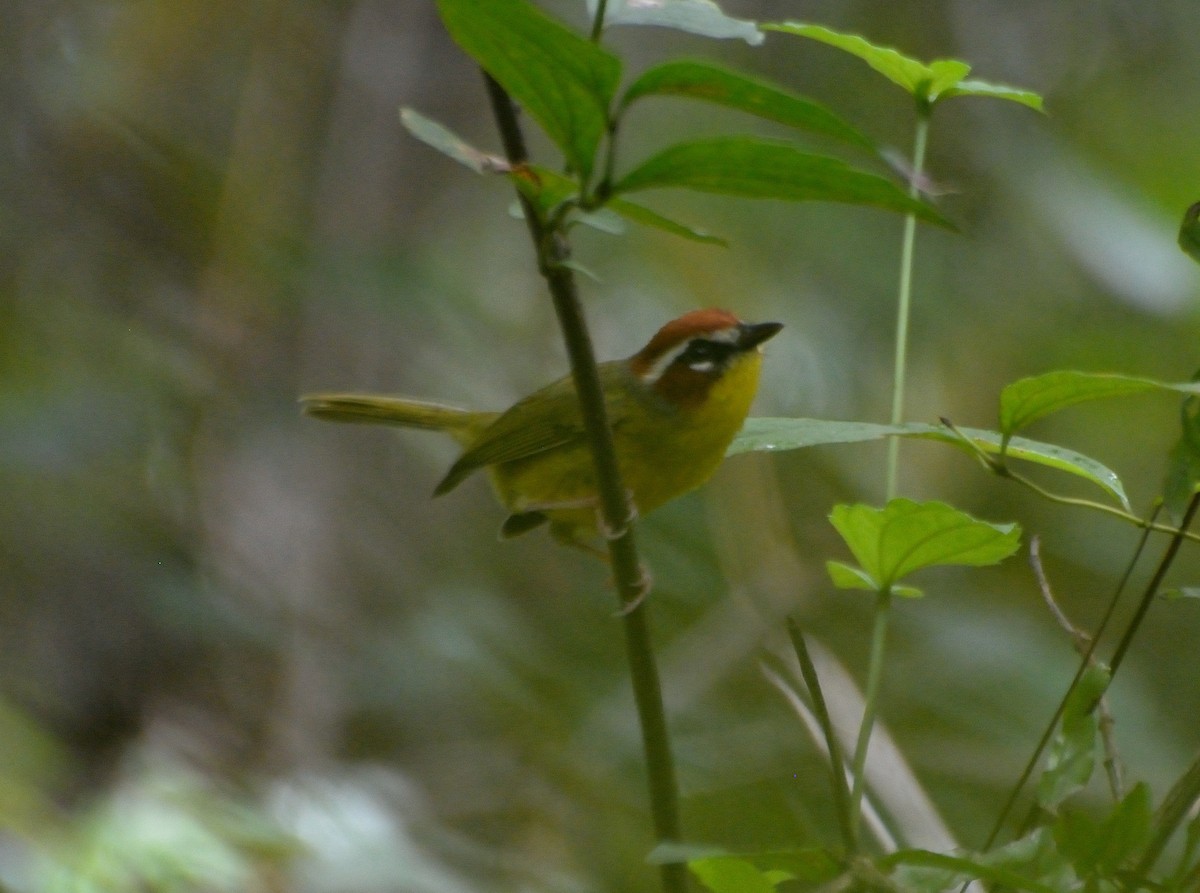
[654,373]
[727,335]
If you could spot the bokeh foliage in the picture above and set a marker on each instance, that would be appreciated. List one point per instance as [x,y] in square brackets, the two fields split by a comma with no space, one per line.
[255,641]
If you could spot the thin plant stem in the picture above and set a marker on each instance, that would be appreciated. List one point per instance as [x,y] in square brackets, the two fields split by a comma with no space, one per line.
[630,578]
[870,705]
[598,21]
[1081,641]
[841,796]
[1084,662]
[1153,586]
[904,301]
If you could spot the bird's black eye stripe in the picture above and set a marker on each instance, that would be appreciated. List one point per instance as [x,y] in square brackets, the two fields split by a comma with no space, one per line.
[703,351]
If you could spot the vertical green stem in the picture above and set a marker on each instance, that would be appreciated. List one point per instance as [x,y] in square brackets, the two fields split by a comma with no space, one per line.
[904,301]
[631,580]
[871,704]
[841,796]
[598,21]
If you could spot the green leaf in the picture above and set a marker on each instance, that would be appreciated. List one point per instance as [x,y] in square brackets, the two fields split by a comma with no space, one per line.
[928,83]
[906,536]
[756,168]
[711,83]
[1183,466]
[434,134]
[770,434]
[1072,754]
[701,17]
[564,81]
[646,217]
[1098,847]
[1189,232]
[996,91]
[731,874]
[901,70]
[1029,399]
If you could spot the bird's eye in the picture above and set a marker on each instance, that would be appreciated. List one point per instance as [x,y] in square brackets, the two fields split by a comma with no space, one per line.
[703,355]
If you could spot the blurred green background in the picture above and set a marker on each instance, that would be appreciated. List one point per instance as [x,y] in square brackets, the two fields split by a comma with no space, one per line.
[244,650]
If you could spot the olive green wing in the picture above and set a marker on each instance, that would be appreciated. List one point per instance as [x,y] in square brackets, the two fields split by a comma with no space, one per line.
[543,421]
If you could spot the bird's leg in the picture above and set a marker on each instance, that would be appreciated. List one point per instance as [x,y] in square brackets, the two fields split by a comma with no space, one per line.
[645,583]
[610,533]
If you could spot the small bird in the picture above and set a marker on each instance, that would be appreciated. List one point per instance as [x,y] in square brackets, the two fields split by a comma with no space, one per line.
[674,407]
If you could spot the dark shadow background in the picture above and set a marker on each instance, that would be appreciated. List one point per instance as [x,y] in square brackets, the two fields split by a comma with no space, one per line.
[246,650]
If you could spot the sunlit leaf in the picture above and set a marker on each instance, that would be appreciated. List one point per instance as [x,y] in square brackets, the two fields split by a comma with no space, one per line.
[701,17]
[757,168]
[711,83]
[939,79]
[439,137]
[1071,757]
[901,70]
[731,874]
[771,434]
[904,536]
[996,91]
[564,81]
[1029,399]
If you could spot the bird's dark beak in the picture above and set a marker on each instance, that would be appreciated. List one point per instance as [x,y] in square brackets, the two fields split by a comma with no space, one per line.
[750,335]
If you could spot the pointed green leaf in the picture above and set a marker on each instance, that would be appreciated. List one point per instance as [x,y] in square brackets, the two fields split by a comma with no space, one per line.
[906,536]
[448,143]
[646,217]
[1029,399]
[701,17]
[565,82]
[944,75]
[755,168]
[996,91]
[1189,232]
[770,434]
[711,83]
[901,70]
[939,79]
[730,874]
[1072,754]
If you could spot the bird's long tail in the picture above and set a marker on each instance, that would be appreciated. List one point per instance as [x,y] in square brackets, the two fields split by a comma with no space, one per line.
[462,424]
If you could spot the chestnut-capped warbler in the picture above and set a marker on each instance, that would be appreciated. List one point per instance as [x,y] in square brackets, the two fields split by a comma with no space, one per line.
[674,407]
